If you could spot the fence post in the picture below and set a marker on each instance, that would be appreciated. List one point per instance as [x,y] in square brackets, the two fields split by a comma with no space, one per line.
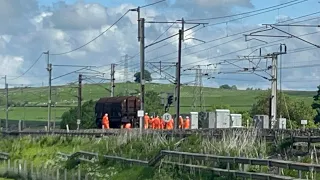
[79,172]
[311,169]
[228,164]
[31,169]
[72,174]
[279,169]
[9,165]
[37,172]
[65,174]
[299,172]
[41,168]
[14,166]
[25,167]
[58,174]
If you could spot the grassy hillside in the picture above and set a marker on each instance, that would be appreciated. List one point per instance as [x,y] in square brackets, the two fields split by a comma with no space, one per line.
[66,96]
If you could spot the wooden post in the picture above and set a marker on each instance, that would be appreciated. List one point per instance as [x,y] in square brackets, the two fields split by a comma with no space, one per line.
[65,174]
[299,172]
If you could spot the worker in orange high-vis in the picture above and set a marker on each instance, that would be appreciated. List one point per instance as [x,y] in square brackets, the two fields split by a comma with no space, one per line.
[170,124]
[105,121]
[186,123]
[156,123]
[162,123]
[150,122]
[146,121]
[127,126]
[180,122]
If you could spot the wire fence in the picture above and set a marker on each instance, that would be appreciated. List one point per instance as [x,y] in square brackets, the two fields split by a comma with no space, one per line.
[21,169]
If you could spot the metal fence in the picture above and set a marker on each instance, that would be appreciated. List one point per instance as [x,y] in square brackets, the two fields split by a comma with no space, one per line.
[242,162]
[26,170]
[21,169]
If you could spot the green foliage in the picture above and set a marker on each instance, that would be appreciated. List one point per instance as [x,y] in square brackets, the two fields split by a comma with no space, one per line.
[316,105]
[246,118]
[153,103]
[87,117]
[147,76]
[222,106]
[294,110]
[226,86]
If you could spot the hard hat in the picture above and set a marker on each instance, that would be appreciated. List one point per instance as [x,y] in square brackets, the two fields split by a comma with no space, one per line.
[187,117]
[106,113]
[146,113]
[180,116]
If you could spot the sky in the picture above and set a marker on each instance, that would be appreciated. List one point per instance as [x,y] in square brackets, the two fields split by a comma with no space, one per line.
[32,27]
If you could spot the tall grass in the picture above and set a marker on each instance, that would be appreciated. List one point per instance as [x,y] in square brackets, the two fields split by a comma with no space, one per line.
[42,150]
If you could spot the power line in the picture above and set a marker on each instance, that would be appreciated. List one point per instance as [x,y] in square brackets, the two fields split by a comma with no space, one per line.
[235,34]
[239,14]
[34,63]
[223,23]
[151,4]
[163,33]
[62,53]
[67,52]
[299,17]
[273,42]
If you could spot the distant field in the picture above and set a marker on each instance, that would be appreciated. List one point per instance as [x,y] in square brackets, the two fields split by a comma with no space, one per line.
[66,96]
[32,113]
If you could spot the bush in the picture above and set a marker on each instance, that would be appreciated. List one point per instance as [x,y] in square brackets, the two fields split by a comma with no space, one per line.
[87,117]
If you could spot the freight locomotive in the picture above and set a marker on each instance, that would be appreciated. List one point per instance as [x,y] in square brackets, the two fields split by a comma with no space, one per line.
[121,110]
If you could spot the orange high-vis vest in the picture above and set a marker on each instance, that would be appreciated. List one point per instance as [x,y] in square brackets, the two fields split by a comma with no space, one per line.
[150,122]
[146,121]
[127,126]
[105,122]
[170,124]
[156,123]
[162,123]
[187,124]
[180,123]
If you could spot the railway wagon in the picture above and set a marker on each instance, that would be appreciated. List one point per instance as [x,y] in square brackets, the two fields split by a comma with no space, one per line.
[121,110]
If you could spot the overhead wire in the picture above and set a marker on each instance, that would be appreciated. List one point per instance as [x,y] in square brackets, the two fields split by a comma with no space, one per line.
[231,21]
[33,64]
[67,52]
[235,34]
[239,14]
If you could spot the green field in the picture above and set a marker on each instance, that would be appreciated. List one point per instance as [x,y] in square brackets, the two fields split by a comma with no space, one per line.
[66,96]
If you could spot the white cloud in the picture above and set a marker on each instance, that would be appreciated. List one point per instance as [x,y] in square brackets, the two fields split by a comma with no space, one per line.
[64,27]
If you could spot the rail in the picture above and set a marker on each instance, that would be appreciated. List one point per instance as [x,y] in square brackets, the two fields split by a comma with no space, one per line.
[280,164]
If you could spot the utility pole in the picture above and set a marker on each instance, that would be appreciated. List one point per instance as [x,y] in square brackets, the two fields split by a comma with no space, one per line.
[274,68]
[7,101]
[197,92]
[142,79]
[112,79]
[79,98]
[126,74]
[139,30]
[273,107]
[176,125]
[49,69]
[198,87]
